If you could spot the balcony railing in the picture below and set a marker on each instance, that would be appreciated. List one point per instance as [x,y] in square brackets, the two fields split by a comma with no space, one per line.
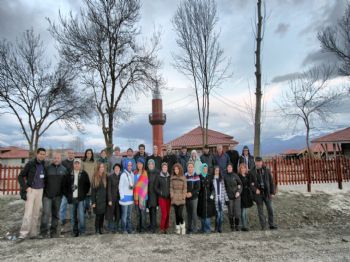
[157,119]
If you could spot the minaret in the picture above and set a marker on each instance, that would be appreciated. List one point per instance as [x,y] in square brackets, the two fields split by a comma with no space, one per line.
[157,119]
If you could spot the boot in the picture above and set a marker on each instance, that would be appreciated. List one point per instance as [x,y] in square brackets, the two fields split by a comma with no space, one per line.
[237,228]
[178,229]
[183,229]
[232,224]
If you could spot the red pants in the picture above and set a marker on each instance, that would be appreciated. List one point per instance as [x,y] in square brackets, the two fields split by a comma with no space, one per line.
[164,205]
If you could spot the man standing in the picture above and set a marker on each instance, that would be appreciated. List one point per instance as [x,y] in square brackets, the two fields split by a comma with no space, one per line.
[170,158]
[265,190]
[221,159]
[156,157]
[115,159]
[142,153]
[247,158]
[55,174]
[208,159]
[31,180]
[68,164]
[77,186]
[129,157]
[234,157]
[183,158]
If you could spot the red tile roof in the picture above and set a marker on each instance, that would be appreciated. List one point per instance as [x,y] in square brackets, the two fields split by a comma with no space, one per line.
[13,152]
[340,136]
[291,152]
[194,139]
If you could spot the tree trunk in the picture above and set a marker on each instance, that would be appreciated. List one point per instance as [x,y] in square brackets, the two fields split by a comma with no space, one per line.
[309,149]
[258,93]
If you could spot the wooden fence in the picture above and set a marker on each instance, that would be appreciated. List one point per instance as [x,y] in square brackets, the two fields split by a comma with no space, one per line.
[285,172]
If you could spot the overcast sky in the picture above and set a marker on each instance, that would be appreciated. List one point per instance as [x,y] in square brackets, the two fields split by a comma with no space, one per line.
[290,46]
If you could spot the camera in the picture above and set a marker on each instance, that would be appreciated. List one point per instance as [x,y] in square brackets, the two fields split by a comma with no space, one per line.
[131,187]
[74,187]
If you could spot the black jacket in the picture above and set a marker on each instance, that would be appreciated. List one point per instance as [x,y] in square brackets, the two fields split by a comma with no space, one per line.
[170,160]
[163,185]
[83,186]
[99,198]
[26,176]
[68,164]
[137,156]
[54,180]
[264,181]
[183,160]
[234,158]
[112,195]
[232,185]
[210,161]
[206,198]
[152,194]
[193,186]
[247,195]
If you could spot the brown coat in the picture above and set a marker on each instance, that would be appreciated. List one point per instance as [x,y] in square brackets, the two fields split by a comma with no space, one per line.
[178,190]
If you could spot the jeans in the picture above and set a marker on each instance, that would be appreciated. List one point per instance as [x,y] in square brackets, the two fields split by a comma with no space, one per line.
[87,203]
[179,214]
[78,214]
[126,218]
[51,207]
[191,209]
[244,219]
[219,217]
[63,210]
[206,225]
[141,219]
[234,212]
[164,204]
[260,200]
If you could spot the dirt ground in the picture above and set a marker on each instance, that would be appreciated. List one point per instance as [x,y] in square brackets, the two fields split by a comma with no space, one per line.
[312,227]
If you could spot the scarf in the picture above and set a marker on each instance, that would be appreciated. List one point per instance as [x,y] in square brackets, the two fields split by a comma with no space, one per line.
[202,170]
[140,191]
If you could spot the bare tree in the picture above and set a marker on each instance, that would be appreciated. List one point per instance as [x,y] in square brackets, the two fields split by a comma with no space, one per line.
[102,42]
[336,39]
[258,90]
[310,99]
[201,58]
[34,92]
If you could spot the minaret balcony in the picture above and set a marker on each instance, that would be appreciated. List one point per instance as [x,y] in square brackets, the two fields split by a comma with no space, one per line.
[157,118]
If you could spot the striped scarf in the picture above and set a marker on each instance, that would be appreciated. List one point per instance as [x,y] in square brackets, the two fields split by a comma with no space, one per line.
[140,191]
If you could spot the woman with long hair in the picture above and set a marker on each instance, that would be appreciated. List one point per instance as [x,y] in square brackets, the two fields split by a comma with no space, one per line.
[248,184]
[89,166]
[140,193]
[178,191]
[99,196]
[220,198]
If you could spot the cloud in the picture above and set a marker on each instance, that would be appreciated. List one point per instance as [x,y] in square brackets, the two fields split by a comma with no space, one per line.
[319,57]
[286,77]
[282,29]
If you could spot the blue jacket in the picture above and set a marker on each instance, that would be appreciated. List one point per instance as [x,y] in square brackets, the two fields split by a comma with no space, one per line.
[222,161]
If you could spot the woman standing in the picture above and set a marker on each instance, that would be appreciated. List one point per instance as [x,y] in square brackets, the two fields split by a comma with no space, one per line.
[196,162]
[206,202]
[103,159]
[126,187]
[89,166]
[193,186]
[99,196]
[248,184]
[113,208]
[140,193]
[152,202]
[178,191]
[220,198]
[163,190]
[233,186]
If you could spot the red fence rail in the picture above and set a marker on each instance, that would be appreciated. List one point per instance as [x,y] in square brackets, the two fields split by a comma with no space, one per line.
[310,171]
[285,172]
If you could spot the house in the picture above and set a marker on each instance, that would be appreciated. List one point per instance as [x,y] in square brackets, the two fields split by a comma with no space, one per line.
[317,149]
[13,156]
[193,140]
[338,141]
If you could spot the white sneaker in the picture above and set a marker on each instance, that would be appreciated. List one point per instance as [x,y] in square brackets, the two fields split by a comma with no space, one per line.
[178,229]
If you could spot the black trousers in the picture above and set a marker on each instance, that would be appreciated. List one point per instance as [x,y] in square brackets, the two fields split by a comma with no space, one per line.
[99,222]
[153,217]
[179,214]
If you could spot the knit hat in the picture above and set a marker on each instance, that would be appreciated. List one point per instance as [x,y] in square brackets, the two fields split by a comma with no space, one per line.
[258,158]
[245,148]
[151,161]
[141,160]
[77,160]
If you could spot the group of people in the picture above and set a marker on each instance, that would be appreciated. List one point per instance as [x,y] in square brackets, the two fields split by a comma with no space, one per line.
[114,188]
